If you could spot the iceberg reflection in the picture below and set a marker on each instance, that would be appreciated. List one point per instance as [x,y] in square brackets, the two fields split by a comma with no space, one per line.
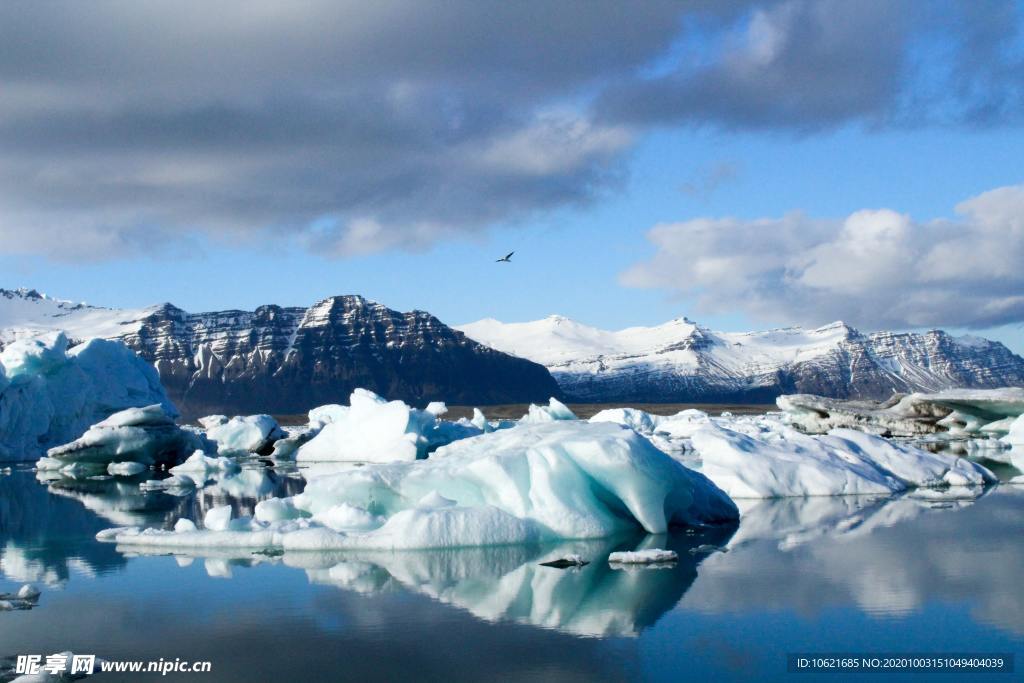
[507,583]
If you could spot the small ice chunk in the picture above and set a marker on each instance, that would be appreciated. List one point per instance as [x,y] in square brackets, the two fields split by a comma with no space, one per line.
[28,592]
[555,410]
[202,465]
[245,434]
[218,518]
[436,408]
[45,464]
[125,469]
[183,525]
[651,556]
[480,421]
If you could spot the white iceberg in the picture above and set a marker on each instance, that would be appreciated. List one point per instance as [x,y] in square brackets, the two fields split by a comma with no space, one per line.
[144,435]
[957,412]
[650,556]
[765,459]
[50,394]
[565,479]
[1015,432]
[642,422]
[200,466]
[555,410]
[372,429]
[242,433]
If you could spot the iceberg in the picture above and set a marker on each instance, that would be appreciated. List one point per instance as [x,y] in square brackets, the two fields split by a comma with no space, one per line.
[553,411]
[144,435]
[50,394]
[200,466]
[242,433]
[766,459]
[649,556]
[536,482]
[638,420]
[956,412]
[1015,432]
[372,429]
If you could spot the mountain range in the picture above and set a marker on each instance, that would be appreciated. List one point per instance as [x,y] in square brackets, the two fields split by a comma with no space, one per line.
[681,361]
[289,359]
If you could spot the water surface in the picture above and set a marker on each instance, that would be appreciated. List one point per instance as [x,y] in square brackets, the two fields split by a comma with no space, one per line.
[859,574]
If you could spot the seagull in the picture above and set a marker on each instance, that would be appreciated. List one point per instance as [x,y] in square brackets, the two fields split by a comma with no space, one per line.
[506,259]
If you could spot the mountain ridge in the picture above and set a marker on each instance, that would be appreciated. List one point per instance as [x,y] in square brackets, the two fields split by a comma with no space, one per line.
[289,359]
[682,361]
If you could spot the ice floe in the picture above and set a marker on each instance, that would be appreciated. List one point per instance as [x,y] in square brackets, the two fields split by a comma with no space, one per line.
[242,433]
[50,393]
[650,556]
[143,435]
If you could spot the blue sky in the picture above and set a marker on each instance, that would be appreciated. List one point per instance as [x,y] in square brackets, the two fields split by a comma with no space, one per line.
[572,174]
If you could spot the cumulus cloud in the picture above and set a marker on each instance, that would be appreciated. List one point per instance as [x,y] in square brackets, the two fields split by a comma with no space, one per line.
[361,126]
[875,268]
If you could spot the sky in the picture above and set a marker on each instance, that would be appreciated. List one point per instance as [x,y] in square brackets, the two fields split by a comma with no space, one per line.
[746,164]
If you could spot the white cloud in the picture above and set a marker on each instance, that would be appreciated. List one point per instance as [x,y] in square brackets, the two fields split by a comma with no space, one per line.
[875,268]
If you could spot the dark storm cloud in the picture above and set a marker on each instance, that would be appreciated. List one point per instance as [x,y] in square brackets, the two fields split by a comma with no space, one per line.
[357,127]
[805,65]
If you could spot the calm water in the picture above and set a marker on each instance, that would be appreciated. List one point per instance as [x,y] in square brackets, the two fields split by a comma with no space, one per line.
[823,574]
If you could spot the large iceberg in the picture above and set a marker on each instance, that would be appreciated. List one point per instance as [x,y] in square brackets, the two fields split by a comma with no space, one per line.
[145,435]
[771,460]
[372,429]
[50,393]
[760,457]
[958,412]
[538,482]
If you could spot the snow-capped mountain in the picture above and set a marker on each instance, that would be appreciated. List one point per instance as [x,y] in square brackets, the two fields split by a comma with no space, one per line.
[287,360]
[680,361]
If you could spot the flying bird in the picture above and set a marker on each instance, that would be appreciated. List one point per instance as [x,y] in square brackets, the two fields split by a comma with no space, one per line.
[506,259]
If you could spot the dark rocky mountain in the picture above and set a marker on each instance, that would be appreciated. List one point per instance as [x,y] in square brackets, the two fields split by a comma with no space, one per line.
[287,360]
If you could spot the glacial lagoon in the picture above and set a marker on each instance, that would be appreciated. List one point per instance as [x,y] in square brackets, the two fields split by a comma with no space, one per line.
[861,574]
